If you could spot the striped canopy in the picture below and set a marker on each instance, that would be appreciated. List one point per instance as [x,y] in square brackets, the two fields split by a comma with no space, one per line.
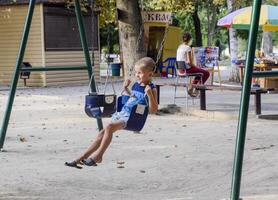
[240,19]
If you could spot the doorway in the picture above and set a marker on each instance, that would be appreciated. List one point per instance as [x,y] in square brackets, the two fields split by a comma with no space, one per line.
[154,41]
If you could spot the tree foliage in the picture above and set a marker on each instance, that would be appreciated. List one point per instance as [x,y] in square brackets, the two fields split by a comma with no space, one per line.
[209,12]
[169,5]
[107,11]
[83,4]
[184,10]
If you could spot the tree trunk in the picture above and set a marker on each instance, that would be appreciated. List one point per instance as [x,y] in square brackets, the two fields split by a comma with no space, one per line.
[211,16]
[197,26]
[131,34]
[234,71]
[267,43]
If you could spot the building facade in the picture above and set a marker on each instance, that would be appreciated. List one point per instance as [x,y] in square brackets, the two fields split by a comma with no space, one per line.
[53,41]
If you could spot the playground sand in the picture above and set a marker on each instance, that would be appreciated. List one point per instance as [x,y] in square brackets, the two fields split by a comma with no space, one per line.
[175,157]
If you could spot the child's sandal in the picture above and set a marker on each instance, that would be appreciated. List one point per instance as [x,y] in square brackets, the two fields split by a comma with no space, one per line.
[73,164]
[89,162]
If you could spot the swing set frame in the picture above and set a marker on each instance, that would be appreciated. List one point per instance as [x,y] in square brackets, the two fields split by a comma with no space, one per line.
[19,68]
[245,94]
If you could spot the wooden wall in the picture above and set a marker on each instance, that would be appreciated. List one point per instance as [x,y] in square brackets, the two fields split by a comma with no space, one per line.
[69,58]
[12,19]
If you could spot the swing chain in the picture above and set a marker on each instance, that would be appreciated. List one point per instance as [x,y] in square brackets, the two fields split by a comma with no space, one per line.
[108,41]
[90,88]
[107,56]
[146,99]
[109,80]
[159,54]
[141,32]
[139,47]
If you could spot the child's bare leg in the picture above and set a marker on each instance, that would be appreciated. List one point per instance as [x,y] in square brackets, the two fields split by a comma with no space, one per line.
[92,148]
[106,140]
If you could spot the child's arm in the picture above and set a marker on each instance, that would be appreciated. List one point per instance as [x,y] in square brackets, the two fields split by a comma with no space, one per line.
[125,86]
[152,95]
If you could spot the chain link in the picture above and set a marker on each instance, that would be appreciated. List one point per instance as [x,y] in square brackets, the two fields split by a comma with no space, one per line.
[140,37]
[108,59]
[162,44]
[159,54]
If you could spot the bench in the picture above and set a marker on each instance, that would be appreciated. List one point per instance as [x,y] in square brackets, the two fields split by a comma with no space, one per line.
[203,88]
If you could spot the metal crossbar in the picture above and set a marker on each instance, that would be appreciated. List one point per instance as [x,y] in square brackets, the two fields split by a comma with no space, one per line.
[58,68]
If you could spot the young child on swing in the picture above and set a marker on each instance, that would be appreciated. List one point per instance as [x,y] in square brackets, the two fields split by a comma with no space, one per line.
[141,89]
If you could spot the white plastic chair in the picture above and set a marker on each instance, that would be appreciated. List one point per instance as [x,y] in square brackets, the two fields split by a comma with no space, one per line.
[181,67]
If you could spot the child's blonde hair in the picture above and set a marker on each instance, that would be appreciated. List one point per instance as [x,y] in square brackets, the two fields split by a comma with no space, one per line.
[146,63]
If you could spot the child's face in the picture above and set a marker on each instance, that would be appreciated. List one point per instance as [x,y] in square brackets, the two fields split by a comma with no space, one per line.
[143,76]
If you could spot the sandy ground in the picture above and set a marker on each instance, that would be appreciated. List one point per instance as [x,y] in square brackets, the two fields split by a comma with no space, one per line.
[175,157]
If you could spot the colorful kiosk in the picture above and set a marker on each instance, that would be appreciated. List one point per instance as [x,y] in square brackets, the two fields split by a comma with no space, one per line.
[160,33]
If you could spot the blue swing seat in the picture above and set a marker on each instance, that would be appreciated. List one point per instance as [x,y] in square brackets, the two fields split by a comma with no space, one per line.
[136,120]
[100,105]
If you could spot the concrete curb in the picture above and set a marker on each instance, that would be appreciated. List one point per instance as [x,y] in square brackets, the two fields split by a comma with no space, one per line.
[268,117]
[196,112]
[258,197]
[268,197]
[229,115]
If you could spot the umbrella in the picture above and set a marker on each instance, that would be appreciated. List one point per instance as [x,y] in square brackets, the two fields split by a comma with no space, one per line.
[240,19]
[228,19]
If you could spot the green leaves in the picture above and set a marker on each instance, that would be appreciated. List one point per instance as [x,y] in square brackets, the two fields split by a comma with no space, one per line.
[169,5]
[83,4]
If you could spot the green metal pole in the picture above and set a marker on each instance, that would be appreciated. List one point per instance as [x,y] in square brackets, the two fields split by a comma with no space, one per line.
[19,60]
[244,104]
[86,52]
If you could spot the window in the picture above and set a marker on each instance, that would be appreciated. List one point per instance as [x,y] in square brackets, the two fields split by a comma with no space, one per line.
[61,29]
